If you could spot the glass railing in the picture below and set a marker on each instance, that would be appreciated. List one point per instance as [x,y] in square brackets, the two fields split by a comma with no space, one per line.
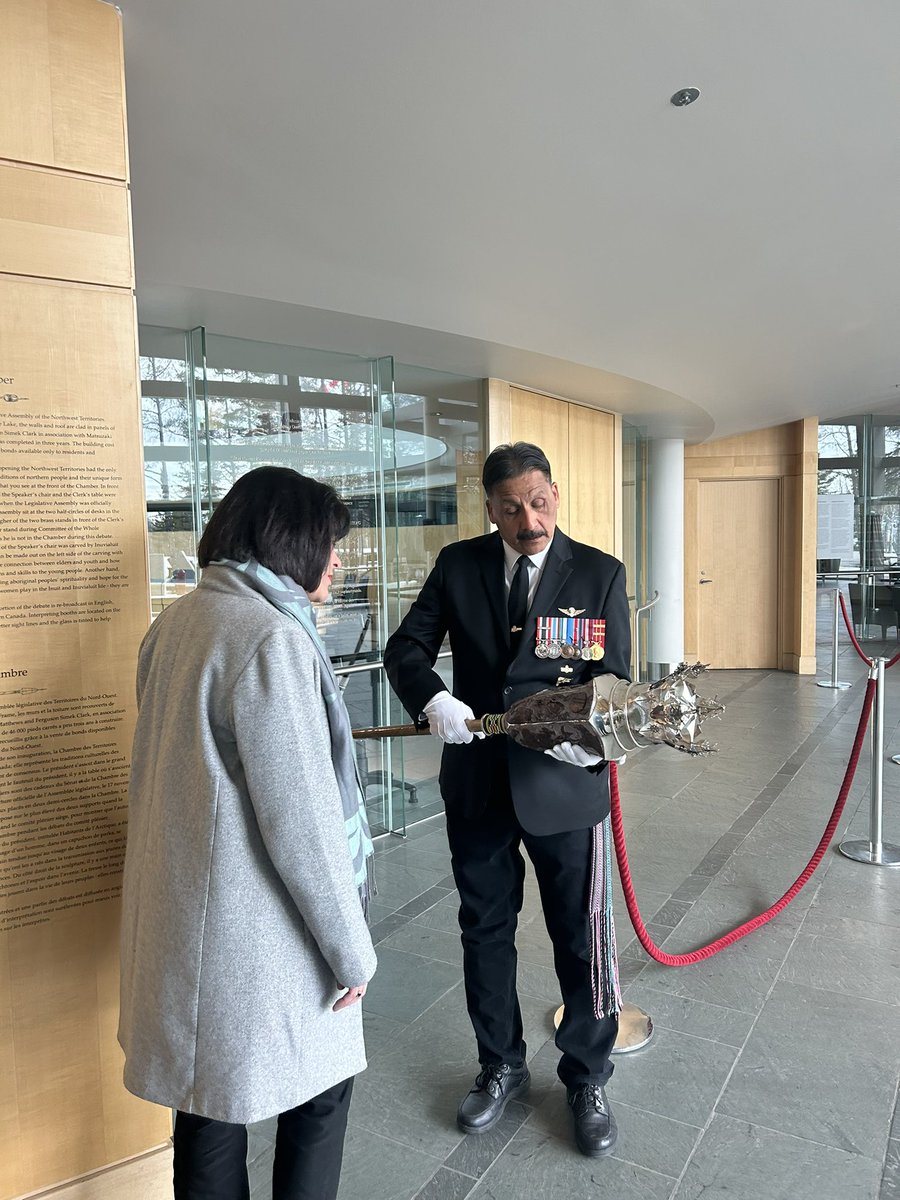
[873,599]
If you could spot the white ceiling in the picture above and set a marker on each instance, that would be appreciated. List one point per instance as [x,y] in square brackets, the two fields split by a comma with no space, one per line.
[502,186]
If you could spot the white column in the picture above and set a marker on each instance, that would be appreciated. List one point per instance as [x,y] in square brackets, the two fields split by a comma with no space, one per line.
[665,637]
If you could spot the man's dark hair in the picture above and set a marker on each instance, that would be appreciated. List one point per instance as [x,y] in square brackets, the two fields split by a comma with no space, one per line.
[512,460]
[283,519]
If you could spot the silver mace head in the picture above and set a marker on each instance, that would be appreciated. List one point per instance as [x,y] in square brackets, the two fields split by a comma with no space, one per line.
[610,716]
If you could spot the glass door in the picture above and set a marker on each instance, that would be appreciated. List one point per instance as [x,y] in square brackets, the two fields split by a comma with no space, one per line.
[433,434]
[216,407]
[402,445]
[635,534]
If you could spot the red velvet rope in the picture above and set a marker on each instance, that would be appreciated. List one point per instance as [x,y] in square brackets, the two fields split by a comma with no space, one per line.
[683,960]
[856,646]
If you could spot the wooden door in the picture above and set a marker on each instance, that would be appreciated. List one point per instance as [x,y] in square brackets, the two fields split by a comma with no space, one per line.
[738,542]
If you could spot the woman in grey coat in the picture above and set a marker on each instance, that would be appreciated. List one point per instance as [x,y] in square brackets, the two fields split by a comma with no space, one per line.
[245,950]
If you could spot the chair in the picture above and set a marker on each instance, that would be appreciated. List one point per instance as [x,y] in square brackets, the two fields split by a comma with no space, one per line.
[882,598]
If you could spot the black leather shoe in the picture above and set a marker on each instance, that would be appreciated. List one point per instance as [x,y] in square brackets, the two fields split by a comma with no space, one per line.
[495,1086]
[595,1126]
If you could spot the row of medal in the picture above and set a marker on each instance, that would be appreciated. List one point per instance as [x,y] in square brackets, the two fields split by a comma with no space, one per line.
[570,637]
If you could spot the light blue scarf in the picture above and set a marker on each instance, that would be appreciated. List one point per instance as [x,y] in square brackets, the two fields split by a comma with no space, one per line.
[290,598]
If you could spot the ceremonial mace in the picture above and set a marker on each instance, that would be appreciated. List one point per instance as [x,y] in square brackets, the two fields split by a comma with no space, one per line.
[607,716]
[610,717]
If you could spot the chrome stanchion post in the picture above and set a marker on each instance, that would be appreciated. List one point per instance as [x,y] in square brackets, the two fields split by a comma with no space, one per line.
[635,1028]
[874,850]
[835,634]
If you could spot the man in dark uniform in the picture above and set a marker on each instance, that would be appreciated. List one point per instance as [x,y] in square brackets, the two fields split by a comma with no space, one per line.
[525,608]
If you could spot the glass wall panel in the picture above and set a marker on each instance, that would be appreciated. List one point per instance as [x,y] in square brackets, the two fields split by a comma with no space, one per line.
[841,474]
[634,525]
[320,413]
[405,457]
[431,500]
[859,522]
[634,508]
[215,408]
[169,470]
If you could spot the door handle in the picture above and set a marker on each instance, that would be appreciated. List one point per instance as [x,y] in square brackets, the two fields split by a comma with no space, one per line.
[707,581]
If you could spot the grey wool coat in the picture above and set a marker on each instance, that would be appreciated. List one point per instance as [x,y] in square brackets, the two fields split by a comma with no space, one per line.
[240,913]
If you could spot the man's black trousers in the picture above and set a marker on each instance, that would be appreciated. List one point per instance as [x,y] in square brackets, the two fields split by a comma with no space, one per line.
[489,872]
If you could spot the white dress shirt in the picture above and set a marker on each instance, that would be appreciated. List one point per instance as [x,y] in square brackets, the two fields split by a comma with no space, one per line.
[534,565]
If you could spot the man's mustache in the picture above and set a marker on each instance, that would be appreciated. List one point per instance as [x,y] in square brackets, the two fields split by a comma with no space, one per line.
[532,535]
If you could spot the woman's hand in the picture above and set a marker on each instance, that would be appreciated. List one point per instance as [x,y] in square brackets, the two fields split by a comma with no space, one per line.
[352,996]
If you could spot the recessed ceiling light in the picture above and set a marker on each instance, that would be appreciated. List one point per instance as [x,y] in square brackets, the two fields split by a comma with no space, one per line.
[684,96]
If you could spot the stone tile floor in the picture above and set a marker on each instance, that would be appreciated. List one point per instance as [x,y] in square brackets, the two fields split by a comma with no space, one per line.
[773,1070]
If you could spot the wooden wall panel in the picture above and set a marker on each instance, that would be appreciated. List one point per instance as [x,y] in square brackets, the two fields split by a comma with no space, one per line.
[58,226]
[74,596]
[63,92]
[58,1048]
[499,413]
[544,421]
[72,614]
[10,1130]
[761,443]
[789,547]
[591,451]
[584,446]
[806,555]
[593,479]
[26,120]
[799,553]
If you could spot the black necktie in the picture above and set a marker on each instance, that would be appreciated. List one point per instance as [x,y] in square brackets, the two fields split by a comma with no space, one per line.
[517,605]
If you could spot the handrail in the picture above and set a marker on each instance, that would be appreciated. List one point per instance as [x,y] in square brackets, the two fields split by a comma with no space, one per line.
[867,578]
[859,573]
[650,603]
[375,666]
[638,613]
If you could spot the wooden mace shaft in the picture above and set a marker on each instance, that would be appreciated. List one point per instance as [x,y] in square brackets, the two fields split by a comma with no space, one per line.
[485,725]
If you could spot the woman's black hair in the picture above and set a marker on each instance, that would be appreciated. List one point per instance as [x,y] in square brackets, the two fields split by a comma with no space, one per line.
[285,520]
[510,461]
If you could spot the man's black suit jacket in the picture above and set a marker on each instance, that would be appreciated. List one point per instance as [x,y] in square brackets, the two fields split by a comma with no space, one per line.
[465,595]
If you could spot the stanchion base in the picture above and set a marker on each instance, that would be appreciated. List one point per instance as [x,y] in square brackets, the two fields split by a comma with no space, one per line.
[635,1028]
[895,758]
[886,855]
[840,685]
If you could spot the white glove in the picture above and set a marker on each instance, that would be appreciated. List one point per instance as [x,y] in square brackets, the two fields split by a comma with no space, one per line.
[447,719]
[576,756]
